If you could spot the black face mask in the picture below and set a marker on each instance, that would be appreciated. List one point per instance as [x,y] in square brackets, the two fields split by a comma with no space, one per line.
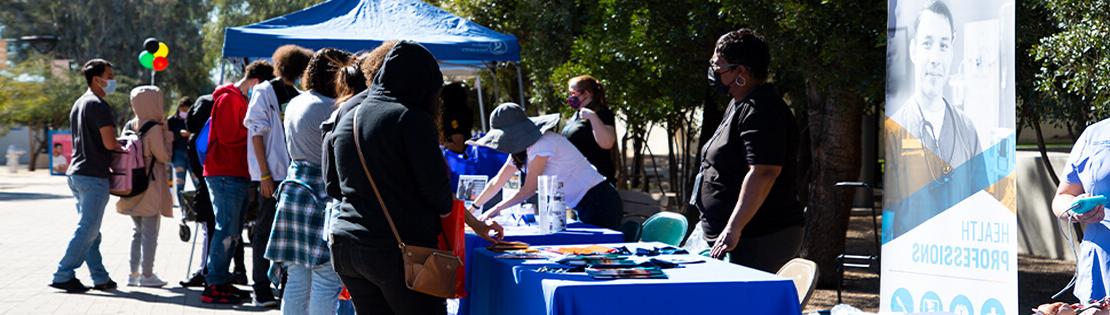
[715,82]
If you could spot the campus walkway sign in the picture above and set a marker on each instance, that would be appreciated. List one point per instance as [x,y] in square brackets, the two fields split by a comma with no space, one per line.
[949,212]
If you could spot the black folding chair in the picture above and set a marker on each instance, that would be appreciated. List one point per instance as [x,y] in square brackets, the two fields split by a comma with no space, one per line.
[855,261]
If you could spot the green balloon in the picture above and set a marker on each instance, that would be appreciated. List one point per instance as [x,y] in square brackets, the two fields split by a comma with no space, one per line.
[146,59]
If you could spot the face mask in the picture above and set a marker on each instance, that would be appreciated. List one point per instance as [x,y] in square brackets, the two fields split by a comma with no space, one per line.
[110,87]
[715,82]
[574,102]
[249,92]
[182,114]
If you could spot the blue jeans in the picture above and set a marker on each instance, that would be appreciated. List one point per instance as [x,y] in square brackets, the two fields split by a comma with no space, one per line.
[229,199]
[84,247]
[180,167]
[310,290]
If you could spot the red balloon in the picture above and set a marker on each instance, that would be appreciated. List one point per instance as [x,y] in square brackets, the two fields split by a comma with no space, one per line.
[160,63]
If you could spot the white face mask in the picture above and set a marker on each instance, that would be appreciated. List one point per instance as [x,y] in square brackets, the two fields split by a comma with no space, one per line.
[182,114]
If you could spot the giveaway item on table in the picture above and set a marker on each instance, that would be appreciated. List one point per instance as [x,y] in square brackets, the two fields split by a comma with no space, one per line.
[680,260]
[653,251]
[608,261]
[626,273]
[588,250]
[521,255]
[507,246]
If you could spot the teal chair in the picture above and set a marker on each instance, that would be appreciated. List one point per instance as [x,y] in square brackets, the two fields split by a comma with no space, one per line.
[664,227]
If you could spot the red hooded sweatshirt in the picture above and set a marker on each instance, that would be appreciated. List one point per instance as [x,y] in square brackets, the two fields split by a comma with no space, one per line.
[227,140]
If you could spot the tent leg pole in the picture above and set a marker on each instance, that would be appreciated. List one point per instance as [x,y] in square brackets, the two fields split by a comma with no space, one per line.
[481,103]
[496,90]
[221,62]
[520,84]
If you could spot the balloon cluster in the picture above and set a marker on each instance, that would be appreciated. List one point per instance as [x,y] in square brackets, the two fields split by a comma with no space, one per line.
[154,55]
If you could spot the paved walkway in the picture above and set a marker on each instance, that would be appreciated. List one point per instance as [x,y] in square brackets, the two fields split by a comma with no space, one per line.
[37,216]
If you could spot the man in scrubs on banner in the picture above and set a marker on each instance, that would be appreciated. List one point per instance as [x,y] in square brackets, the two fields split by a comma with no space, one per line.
[931,137]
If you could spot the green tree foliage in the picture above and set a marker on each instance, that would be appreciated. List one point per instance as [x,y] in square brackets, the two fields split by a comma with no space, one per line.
[34,95]
[545,30]
[652,56]
[1075,58]
[231,13]
[115,30]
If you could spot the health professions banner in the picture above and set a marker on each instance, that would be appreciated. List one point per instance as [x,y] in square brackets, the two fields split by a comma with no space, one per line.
[949,217]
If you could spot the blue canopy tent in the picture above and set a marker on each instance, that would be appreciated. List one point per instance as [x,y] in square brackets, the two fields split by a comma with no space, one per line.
[357,25]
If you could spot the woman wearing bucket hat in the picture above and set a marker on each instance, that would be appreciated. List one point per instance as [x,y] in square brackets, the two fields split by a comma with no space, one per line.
[535,151]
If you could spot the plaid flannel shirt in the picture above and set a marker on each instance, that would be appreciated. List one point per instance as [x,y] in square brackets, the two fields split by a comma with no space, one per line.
[298,233]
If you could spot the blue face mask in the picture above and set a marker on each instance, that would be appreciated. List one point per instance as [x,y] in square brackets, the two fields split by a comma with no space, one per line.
[110,87]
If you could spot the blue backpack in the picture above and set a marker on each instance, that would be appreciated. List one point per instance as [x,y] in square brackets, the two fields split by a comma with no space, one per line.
[202,141]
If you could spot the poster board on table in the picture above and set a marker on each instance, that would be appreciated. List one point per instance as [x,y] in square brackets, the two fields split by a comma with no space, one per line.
[60,150]
[949,218]
[470,186]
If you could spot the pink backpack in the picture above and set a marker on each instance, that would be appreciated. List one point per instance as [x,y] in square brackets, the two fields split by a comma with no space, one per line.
[130,176]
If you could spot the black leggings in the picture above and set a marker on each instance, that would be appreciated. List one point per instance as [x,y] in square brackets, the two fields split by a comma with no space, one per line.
[374,275]
[601,206]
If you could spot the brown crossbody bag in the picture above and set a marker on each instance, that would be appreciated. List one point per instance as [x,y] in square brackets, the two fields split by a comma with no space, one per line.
[427,270]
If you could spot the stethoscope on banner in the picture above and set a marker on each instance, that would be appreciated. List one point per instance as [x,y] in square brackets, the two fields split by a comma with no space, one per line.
[927,130]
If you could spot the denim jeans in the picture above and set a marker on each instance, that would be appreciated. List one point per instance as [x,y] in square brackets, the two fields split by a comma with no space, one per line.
[180,167]
[84,247]
[310,290]
[229,199]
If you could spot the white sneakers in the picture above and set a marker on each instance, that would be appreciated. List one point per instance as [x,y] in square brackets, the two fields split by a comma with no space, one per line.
[137,280]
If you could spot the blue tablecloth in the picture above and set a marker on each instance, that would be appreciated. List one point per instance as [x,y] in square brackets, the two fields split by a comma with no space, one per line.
[713,287]
[575,234]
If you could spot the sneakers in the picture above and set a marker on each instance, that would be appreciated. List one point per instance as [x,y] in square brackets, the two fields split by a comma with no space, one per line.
[71,286]
[267,303]
[197,280]
[107,286]
[133,279]
[152,281]
[220,294]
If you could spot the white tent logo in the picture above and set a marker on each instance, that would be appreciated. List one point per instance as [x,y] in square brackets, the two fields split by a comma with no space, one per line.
[498,48]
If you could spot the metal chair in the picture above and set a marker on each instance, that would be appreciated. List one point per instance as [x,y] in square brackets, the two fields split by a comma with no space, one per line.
[854,261]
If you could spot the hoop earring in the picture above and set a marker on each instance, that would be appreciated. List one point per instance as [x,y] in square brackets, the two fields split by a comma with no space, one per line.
[740,81]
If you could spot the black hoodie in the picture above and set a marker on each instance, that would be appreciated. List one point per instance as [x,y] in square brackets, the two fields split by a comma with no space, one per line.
[401,145]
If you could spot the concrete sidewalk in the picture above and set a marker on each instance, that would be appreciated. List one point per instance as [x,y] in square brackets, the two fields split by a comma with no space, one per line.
[37,217]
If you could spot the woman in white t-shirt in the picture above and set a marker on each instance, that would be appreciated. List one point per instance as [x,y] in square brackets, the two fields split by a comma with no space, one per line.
[535,150]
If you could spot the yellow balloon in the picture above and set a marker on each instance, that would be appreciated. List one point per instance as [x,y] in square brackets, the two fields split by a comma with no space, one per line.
[163,50]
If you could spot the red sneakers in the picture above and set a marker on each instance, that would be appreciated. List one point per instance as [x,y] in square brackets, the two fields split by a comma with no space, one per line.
[221,294]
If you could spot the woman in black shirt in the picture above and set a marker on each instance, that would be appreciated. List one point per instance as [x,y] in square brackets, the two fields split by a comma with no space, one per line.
[591,128]
[746,185]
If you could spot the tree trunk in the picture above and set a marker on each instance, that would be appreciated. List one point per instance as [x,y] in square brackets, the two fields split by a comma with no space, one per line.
[637,162]
[834,132]
[35,145]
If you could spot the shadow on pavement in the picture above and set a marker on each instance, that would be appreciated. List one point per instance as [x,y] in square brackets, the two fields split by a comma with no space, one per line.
[14,196]
[180,296]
